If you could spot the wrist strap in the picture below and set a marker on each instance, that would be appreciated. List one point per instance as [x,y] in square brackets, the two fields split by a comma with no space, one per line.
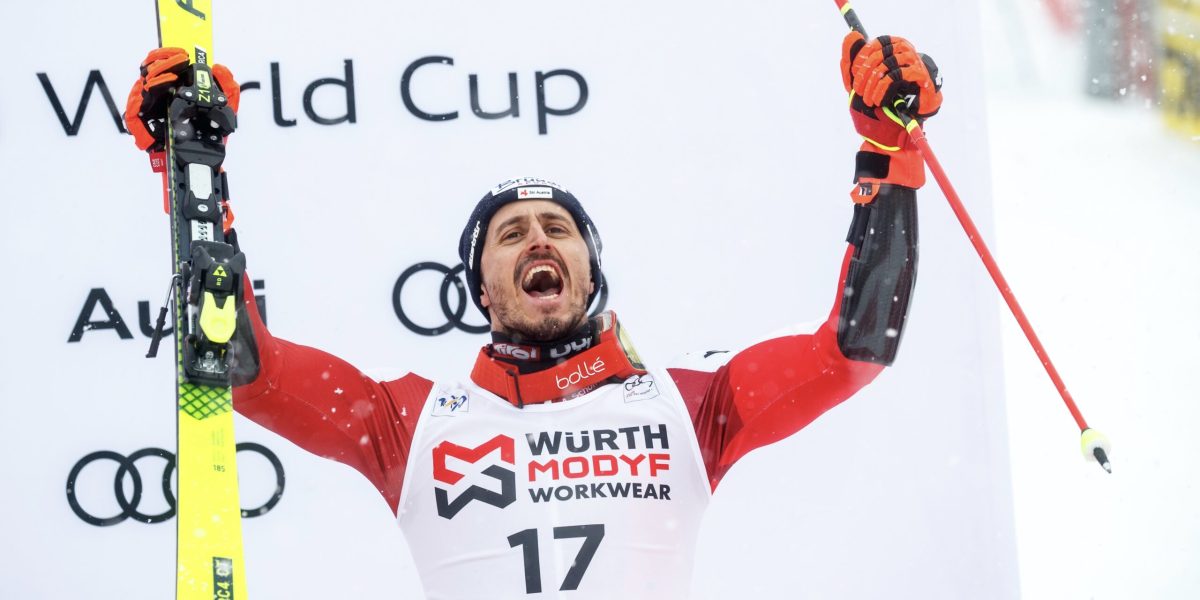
[904,167]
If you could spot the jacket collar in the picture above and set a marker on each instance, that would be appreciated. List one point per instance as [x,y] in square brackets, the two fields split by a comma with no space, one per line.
[610,358]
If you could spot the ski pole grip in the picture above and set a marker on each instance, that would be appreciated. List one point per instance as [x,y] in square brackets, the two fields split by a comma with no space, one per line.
[851,17]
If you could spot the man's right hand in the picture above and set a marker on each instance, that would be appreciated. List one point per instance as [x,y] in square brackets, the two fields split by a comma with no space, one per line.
[146,107]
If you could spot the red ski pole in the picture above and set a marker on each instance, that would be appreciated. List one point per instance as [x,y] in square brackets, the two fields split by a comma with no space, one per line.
[1093,442]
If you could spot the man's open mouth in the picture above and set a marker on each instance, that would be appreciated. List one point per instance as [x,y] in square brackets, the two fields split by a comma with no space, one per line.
[543,281]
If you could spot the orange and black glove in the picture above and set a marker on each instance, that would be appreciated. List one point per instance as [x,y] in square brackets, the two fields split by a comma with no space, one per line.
[146,107]
[886,76]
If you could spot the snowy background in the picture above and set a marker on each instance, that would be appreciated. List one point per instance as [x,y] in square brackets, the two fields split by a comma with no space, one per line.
[715,155]
[1095,211]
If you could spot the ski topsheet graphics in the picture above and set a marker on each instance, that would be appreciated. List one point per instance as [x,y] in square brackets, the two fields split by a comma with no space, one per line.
[207,280]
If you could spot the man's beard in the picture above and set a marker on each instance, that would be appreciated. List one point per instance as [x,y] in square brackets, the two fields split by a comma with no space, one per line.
[538,328]
[546,329]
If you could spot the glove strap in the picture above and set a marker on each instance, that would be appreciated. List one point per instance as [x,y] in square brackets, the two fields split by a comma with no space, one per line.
[903,167]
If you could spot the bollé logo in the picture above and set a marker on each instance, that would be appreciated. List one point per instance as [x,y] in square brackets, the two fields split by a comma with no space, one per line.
[582,372]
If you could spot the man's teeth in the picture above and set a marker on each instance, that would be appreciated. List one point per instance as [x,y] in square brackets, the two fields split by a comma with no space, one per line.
[539,269]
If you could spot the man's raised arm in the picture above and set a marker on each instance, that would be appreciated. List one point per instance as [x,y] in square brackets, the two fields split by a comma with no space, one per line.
[324,404]
[314,399]
[760,395]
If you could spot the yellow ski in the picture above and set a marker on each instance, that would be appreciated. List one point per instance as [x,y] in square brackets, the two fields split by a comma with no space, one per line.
[208,273]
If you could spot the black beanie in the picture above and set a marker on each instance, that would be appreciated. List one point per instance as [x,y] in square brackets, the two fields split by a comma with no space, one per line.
[470,245]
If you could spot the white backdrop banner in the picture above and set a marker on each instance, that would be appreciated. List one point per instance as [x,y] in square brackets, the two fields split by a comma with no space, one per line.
[710,142]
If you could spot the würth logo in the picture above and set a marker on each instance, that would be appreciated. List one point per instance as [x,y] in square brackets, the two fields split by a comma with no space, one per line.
[442,473]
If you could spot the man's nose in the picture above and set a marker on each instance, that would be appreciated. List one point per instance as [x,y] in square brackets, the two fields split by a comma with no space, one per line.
[538,238]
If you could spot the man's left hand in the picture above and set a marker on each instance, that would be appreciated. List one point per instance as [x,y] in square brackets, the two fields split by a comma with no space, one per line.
[887,76]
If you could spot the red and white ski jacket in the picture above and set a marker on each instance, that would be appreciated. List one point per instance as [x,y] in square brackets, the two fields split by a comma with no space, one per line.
[504,489]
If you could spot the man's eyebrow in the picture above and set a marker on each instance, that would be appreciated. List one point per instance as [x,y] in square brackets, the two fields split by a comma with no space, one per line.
[542,216]
[510,221]
[553,216]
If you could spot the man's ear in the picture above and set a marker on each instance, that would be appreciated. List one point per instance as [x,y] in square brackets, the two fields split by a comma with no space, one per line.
[483,296]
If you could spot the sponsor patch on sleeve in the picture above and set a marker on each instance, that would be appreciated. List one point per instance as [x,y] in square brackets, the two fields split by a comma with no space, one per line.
[450,403]
[640,387]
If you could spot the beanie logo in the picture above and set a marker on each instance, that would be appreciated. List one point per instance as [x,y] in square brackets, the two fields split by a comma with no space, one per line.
[531,193]
[474,240]
[523,181]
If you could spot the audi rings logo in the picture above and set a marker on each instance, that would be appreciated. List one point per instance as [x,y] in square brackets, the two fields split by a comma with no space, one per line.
[454,308]
[127,465]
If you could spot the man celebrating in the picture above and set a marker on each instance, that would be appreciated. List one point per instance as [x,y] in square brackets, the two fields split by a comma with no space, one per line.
[564,466]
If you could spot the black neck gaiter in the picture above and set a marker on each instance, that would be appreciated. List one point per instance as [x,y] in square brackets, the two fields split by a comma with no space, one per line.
[531,357]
